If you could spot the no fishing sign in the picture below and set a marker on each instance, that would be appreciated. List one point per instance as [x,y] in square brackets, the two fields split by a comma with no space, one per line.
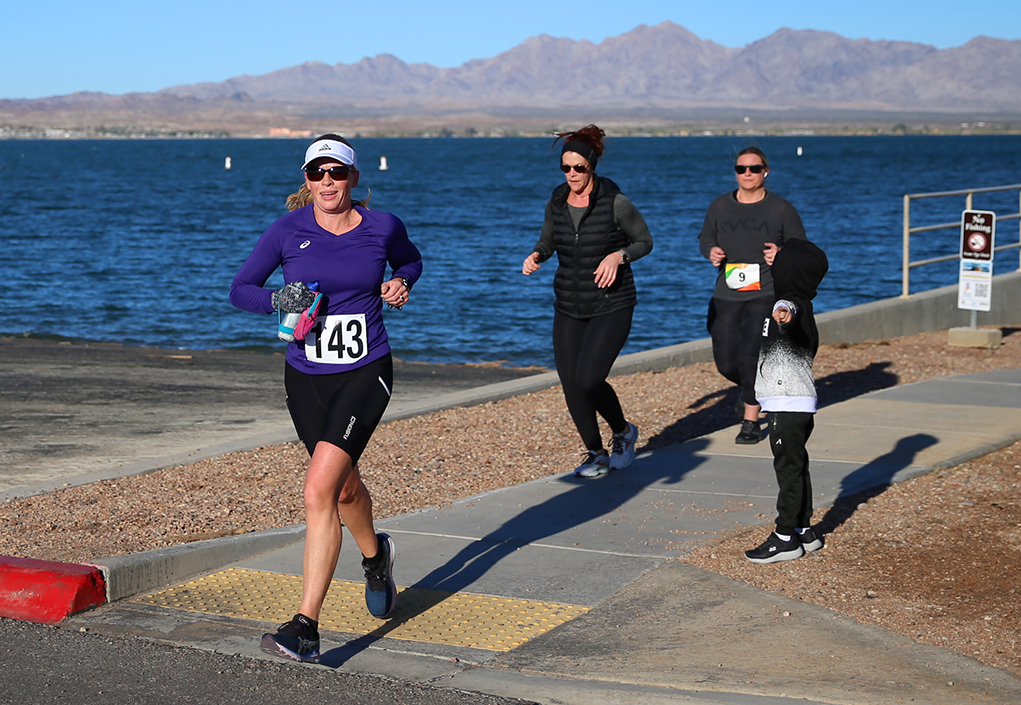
[975,283]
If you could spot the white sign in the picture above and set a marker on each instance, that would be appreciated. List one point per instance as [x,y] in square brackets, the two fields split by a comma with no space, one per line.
[975,281]
[975,285]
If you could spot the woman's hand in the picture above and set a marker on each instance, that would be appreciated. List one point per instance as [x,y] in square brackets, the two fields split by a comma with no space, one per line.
[770,252]
[606,272]
[531,264]
[782,315]
[394,292]
[717,255]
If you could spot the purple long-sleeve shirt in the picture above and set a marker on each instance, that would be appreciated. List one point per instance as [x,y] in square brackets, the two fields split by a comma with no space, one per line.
[349,331]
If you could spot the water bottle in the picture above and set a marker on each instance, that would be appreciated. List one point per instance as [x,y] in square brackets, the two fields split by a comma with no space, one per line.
[288,321]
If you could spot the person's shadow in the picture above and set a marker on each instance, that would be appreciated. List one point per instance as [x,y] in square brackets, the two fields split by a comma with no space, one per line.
[585,501]
[872,480]
[715,411]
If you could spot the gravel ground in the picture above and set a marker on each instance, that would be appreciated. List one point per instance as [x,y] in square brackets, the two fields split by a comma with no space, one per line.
[934,558]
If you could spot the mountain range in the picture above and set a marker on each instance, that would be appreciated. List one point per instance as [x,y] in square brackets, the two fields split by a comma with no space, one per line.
[662,71]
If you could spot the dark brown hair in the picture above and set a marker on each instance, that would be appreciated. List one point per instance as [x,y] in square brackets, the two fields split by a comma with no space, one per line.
[757,152]
[590,135]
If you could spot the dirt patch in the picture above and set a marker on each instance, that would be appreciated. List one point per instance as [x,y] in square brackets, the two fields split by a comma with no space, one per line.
[935,558]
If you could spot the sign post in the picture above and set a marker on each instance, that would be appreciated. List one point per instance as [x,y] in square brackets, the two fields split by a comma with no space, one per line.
[975,280]
[975,283]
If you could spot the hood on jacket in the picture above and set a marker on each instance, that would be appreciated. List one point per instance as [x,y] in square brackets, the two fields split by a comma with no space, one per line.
[798,269]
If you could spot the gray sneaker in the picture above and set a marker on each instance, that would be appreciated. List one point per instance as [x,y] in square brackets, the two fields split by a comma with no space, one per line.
[623,453]
[596,464]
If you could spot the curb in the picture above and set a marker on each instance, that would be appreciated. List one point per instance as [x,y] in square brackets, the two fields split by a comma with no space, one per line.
[47,591]
[136,573]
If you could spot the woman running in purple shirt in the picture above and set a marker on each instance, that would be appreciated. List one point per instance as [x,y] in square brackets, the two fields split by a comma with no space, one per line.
[339,378]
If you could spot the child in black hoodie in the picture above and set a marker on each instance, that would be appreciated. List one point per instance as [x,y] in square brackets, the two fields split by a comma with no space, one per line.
[785,388]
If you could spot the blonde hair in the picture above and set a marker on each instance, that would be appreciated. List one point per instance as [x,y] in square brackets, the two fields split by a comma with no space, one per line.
[303,197]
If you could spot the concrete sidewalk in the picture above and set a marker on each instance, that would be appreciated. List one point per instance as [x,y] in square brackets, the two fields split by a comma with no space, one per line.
[567,591]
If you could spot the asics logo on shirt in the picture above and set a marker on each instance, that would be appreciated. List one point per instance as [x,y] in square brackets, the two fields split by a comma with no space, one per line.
[305,244]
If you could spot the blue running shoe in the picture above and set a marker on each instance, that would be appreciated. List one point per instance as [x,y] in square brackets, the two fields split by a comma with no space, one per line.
[380,589]
[297,640]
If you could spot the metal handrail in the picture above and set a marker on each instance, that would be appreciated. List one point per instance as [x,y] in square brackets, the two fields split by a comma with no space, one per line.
[908,265]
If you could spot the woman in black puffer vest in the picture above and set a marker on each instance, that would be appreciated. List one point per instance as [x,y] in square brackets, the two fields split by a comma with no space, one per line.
[596,233]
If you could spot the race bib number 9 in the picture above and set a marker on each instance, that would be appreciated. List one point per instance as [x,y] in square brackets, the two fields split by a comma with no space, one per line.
[338,340]
[742,277]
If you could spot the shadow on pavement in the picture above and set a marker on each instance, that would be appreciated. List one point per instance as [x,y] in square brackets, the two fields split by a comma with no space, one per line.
[586,501]
[872,480]
[832,389]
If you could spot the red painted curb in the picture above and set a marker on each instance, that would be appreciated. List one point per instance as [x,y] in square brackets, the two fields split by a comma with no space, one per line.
[47,591]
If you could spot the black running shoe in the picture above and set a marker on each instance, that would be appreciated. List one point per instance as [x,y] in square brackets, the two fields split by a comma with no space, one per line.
[810,541]
[380,589]
[297,640]
[776,549]
[750,433]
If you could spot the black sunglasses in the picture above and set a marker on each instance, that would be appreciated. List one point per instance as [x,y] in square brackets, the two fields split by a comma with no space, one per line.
[580,168]
[754,168]
[337,173]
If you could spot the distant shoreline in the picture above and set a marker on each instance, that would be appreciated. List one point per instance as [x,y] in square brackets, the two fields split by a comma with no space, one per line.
[898,130]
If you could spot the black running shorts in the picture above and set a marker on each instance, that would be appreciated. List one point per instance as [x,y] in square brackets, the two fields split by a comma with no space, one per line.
[342,408]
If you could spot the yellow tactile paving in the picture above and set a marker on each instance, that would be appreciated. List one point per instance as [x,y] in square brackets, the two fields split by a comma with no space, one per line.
[456,619]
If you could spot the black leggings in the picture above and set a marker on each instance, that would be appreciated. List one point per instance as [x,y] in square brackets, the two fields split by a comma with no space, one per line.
[736,329]
[584,351]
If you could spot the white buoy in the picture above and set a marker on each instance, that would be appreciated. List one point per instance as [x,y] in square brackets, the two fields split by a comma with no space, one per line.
[382,164]
[226,163]
[799,150]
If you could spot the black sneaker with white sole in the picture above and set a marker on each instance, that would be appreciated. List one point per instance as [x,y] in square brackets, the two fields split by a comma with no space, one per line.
[810,541]
[775,549]
[297,640]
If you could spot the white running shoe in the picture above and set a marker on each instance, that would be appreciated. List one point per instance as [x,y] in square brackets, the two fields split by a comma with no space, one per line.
[624,448]
[596,464]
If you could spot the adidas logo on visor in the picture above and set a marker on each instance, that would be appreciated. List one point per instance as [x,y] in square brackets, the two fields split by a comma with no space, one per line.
[325,148]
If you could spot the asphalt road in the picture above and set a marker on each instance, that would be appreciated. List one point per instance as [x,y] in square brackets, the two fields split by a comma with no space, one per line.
[42,664]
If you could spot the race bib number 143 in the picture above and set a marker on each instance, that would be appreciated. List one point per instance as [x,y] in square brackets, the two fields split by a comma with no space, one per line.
[338,340]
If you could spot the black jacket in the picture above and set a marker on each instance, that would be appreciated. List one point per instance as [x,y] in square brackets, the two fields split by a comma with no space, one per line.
[580,251]
[784,379]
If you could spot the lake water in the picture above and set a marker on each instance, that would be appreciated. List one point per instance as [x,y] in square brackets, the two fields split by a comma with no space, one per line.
[136,241]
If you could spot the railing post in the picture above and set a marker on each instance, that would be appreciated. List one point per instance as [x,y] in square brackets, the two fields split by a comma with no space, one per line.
[907,246]
[967,201]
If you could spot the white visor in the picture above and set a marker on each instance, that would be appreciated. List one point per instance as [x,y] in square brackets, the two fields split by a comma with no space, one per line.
[330,149]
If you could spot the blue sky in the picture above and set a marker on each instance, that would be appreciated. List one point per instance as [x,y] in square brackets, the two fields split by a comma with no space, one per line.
[116,46]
